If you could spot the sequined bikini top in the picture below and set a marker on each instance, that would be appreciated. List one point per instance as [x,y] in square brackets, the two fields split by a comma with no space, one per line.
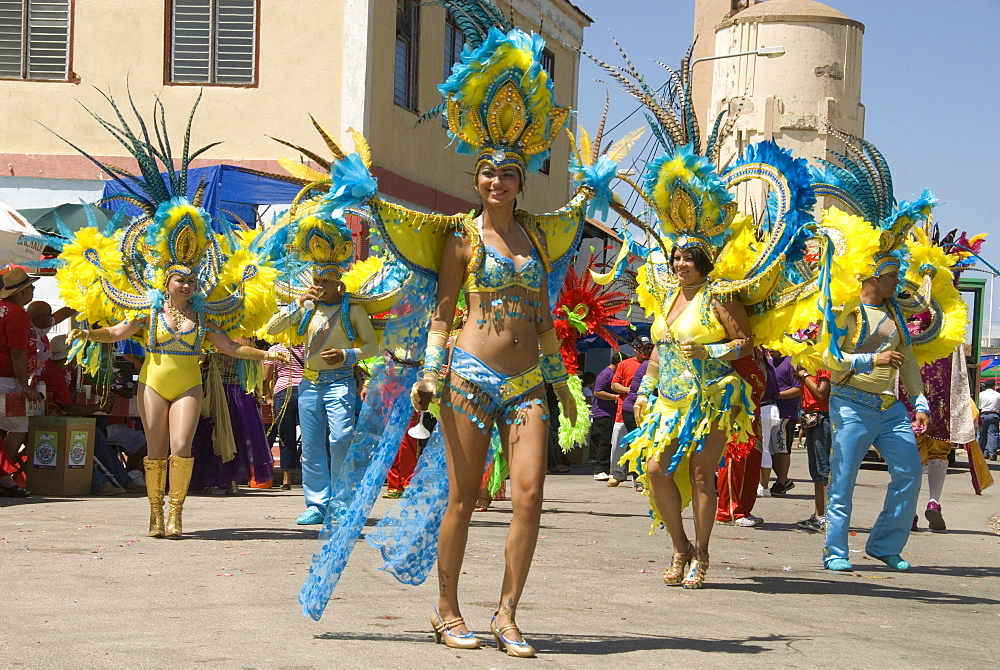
[165,340]
[498,272]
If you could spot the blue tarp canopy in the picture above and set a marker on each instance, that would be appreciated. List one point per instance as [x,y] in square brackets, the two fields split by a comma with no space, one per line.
[624,335]
[228,189]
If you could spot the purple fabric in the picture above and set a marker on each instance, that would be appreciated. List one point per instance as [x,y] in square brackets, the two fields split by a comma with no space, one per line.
[252,448]
[604,407]
[785,378]
[628,404]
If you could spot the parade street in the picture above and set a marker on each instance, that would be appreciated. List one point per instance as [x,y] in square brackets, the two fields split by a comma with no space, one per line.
[88,589]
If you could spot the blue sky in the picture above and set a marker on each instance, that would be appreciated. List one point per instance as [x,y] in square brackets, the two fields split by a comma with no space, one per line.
[929,86]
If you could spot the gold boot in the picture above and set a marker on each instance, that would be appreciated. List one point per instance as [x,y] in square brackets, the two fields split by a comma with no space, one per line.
[156,484]
[180,477]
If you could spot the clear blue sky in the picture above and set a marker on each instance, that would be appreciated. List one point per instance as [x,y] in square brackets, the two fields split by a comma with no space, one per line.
[929,86]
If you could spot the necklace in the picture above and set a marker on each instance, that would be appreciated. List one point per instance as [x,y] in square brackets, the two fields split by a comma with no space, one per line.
[683,286]
[177,315]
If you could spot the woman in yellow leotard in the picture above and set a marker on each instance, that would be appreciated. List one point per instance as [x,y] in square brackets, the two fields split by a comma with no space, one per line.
[170,389]
[680,440]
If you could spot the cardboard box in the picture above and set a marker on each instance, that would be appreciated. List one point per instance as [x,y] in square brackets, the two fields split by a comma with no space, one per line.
[60,455]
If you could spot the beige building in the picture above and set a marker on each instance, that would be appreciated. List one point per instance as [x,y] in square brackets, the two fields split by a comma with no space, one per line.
[790,98]
[262,66]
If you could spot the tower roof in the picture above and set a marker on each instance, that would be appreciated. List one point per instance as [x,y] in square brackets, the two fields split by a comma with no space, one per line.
[790,11]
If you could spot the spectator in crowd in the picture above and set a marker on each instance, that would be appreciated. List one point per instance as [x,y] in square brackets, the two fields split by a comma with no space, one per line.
[819,441]
[625,383]
[17,358]
[779,408]
[587,380]
[42,320]
[602,419]
[281,386]
[989,414]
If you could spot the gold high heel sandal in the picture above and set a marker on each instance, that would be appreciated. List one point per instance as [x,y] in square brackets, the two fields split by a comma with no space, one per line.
[442,631]
[516,648]
[678,564]
[696,577]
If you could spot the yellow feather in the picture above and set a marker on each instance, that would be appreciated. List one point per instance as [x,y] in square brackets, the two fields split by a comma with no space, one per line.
[301,171]
[585,147]
[620,149]
[574,147]
[361,146]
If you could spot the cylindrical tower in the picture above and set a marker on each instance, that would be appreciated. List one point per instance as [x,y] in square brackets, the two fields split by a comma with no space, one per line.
[790,98]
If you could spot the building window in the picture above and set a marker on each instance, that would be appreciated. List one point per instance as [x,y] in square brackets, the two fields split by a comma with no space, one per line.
[549,65]
[34,39]
[213,42]
[454,42]
[407,29]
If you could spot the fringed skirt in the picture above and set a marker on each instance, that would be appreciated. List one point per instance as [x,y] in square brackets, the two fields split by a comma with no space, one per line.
[724,405]
[486,396]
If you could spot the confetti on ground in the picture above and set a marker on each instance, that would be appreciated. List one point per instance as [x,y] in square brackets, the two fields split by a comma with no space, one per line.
[226,574]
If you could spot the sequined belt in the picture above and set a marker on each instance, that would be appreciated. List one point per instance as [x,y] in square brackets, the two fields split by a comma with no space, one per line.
[327,376]
[879,401]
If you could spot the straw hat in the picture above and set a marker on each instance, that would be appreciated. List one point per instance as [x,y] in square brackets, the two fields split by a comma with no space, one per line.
[14,281]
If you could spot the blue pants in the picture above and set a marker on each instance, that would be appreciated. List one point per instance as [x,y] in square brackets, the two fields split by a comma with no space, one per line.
[326,419]
[855,428]
[108,457]
[989,433]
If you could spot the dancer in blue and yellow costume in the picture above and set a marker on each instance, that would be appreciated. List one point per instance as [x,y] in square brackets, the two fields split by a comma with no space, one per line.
[870,350]
[709,278]
[337,333]
[170,278]
[500,108]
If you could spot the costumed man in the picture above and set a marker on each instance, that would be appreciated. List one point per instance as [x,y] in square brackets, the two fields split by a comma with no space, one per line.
[868,348]
[338,333]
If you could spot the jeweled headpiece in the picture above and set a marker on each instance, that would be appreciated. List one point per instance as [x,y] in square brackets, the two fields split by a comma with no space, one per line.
[500,102]
[327,244]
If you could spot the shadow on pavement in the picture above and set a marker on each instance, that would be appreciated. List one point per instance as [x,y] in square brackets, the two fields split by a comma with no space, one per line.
[596,645]
[236,534]
[855,587]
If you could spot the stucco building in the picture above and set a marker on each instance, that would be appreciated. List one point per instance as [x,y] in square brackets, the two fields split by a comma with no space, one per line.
[262,67]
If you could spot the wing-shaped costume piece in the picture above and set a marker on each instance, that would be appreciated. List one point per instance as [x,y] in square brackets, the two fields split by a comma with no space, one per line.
[860,180]
[120,272]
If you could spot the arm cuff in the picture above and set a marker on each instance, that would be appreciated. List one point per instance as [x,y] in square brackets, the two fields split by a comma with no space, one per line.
[351,357]
[863,363]
[920,404]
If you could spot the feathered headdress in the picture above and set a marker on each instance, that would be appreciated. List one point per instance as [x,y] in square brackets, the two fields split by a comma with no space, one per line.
[861,181]
[500,102]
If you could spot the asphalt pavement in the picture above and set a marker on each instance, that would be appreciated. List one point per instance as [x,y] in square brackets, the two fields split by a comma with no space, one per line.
[87,589]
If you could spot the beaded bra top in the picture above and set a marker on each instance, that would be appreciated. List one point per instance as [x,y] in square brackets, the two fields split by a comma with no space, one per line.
[499,272]
[166,340]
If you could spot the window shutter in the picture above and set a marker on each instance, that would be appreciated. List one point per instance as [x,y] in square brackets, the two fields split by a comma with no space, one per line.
[191,49]
[12,31]
[236,23]
[213,41]
[48,43]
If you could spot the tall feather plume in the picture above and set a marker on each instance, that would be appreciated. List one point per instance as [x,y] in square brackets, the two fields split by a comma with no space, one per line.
[331,144]
[475,18]
[598,138]
[664,117]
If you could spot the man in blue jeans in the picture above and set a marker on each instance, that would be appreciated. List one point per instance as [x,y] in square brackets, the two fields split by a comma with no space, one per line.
[337,335]
[865,411]
[989,414]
